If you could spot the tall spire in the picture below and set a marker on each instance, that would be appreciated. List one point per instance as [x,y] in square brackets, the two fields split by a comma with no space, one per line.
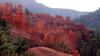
[19,12]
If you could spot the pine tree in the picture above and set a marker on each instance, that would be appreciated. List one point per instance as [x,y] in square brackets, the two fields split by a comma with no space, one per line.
[21,46]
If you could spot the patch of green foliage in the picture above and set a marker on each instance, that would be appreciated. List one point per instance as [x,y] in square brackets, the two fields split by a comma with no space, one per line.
[9,46]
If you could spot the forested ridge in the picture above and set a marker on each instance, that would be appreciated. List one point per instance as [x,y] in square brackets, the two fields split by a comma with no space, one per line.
[92,20]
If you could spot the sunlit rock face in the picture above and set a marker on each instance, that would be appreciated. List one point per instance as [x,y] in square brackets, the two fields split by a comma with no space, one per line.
[46,31]
[43,51]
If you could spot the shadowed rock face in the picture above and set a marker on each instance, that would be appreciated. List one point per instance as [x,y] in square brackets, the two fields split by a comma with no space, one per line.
[43,51]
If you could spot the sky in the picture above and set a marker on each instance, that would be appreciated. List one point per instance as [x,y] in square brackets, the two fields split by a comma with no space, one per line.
[79,5]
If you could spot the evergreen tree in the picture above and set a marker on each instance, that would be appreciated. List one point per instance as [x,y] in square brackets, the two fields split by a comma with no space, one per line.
[21,46]
[9,46]
[6,45]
